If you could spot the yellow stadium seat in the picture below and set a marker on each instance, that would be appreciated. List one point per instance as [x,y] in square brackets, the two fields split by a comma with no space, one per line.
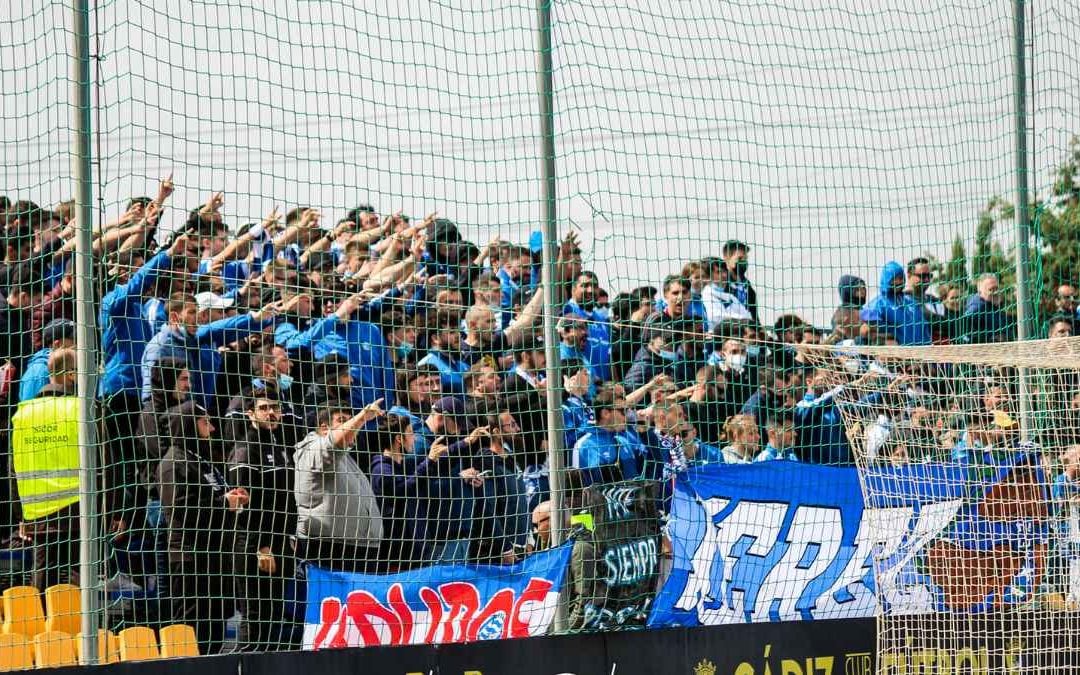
[138,643]
[178,640]
[108,646]
[62,608]
[53,649]
[22,612]
[16,652]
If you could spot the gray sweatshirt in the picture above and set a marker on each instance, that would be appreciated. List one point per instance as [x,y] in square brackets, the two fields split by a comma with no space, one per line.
[334,498]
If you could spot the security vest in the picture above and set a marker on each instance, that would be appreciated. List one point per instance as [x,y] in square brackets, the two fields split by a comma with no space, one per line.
[45,454]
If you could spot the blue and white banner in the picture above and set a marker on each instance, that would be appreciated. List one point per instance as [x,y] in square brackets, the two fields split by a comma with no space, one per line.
[783,541]
[442,604]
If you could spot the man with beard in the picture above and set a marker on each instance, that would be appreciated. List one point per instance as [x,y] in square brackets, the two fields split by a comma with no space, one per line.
[504,505]
[735,258]
[261,462]
[444,350]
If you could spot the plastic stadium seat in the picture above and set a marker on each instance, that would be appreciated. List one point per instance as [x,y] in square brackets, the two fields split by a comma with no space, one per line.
[62,608]
[138,643]
[53,649]
[178,640]
[22,611]
[108,646]
[16,653]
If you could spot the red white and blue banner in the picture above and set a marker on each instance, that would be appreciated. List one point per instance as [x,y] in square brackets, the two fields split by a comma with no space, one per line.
[434,605]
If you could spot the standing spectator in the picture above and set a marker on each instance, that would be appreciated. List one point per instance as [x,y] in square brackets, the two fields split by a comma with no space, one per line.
[629,311]
[125,332]
[744,439]
[483,338]
[719,304]
[1065,300]
[199,508]
[584,304]
[418,388]
[949,327]
[45,458]
[261,462]
[735,257]
[60,333]
[398,477]
[339,525]
[662,351]
[984,318]
[170,385]
[444,350]
[577,413]
[781,438]
[895,312]
[819,425]
[845,320]
[504,505]
[603,453]
[59,303]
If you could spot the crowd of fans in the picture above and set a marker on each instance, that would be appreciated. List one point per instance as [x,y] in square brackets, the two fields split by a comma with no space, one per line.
[370,395]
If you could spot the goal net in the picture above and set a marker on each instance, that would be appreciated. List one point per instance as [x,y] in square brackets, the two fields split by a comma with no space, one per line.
[969,460]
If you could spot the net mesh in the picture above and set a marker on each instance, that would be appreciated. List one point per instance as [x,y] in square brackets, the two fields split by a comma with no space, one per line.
[972,513]
[321,357]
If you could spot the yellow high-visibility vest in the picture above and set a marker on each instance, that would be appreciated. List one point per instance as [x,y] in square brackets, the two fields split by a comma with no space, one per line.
[45,454]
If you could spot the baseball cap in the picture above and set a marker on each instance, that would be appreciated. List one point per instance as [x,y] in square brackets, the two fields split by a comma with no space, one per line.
[211,300]
[448,405]
[57,329]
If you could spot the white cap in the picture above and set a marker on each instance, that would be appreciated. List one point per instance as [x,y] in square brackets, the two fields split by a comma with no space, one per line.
[211,300]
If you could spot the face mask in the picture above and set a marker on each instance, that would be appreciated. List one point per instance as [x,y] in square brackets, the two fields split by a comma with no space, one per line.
[284,381]
[736,362]
[404,349]
[756,352]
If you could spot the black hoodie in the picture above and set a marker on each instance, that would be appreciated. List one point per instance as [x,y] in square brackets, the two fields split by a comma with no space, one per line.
[193,491]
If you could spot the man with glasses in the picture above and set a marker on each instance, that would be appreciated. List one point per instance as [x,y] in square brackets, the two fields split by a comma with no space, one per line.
[1065,300]
[261,461]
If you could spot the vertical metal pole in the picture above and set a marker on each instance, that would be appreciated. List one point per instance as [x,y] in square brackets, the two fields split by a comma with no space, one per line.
[1023,224]
[556,452]
[87,332]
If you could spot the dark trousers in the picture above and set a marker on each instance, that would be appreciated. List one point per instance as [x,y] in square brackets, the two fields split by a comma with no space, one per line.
[265,603]
[197,590]
[56,548]
[122,450]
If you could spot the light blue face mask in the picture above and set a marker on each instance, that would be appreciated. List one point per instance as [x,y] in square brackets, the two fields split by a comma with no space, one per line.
[404,349]
[284,381]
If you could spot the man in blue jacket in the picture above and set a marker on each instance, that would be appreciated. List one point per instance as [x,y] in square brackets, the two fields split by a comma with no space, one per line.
[57,334]
[184,338]
[896,312]
[125,332]
[603,453]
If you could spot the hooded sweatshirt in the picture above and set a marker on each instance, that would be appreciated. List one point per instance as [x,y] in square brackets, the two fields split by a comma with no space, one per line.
[896,312]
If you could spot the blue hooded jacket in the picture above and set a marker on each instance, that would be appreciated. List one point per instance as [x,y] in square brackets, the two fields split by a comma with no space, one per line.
[896,312]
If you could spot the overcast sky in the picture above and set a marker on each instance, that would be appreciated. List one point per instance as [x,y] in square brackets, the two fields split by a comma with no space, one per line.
[832,136]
